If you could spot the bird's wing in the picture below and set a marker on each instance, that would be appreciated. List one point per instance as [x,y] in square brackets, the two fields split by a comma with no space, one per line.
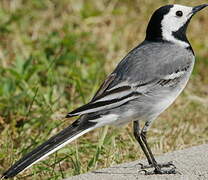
[133,77]
[107,97]
[104,86]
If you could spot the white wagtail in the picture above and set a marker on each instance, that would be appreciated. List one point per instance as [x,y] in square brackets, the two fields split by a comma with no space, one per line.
[143,85]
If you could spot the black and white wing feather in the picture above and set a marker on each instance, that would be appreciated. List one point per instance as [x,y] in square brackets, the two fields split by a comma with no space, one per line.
[107,98]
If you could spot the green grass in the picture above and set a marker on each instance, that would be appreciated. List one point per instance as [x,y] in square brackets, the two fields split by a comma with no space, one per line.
[53,57]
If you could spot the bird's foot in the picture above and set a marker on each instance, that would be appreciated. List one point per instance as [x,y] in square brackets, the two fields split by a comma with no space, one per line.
[168,164]
[160,171]
[158,168]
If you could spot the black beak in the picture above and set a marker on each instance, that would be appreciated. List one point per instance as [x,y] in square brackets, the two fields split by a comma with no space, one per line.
[198,8]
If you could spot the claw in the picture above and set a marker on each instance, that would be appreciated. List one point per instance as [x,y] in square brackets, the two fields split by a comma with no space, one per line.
[143,170]
[170,171]
[142,165]
[167,164]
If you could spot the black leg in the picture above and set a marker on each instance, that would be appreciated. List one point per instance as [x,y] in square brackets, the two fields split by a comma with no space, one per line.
[168,164]
[138,137]
[143,135]
[141,138]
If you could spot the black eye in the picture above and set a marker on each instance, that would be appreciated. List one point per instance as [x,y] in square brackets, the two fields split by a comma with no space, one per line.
[179,13]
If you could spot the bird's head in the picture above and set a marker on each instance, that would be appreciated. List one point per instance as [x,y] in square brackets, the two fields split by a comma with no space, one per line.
[169,23]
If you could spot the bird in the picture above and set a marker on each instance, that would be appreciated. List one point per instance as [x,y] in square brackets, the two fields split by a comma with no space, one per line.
[143,85]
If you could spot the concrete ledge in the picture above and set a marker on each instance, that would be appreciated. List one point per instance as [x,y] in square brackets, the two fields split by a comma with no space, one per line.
[192,163]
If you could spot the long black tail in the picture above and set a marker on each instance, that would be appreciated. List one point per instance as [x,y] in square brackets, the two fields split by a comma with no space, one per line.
[56,142]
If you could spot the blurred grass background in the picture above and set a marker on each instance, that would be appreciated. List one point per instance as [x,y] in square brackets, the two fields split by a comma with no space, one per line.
[54,54]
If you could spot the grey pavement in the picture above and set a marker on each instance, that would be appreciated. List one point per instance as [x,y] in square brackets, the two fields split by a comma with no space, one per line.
[191,163]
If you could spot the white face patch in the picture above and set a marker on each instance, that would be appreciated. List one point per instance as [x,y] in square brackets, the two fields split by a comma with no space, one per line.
[172,23]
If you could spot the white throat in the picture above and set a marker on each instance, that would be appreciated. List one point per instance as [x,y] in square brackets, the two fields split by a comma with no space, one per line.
[169,37]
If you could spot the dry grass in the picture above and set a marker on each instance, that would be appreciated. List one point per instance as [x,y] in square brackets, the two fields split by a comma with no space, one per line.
[54,55]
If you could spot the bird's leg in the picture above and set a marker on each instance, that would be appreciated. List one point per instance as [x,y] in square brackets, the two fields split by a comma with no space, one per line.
[137,135]
[168,164]
[141,138]
[158,167]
